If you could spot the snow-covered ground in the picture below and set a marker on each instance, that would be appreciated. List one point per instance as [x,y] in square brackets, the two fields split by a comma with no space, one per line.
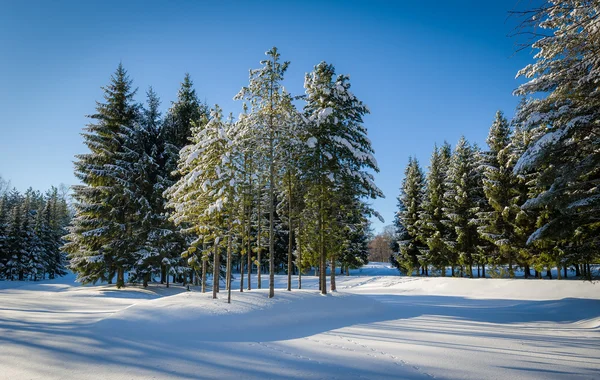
[377,326]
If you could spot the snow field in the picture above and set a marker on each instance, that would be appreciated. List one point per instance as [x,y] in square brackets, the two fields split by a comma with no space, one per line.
[377,326]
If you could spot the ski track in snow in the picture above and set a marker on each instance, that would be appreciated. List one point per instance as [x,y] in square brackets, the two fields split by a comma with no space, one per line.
[377,326]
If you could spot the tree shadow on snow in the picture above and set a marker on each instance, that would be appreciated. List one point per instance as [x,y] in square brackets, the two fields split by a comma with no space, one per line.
[223,342]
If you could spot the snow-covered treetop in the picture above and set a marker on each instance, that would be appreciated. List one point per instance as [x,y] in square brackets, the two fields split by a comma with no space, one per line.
[337,133]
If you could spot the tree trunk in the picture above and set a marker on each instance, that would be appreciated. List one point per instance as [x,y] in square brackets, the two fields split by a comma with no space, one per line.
[483,270]
[577,270]
[589,271]
[322,259]
[204,259]
[229,265]
[249,286]
[145,282]
[271,225]
[332,274]
[290,236]
[241,266]
[259,241]
[565,271]
[248,245]
[549,274]
[215,271]
[120,277]
[299,256]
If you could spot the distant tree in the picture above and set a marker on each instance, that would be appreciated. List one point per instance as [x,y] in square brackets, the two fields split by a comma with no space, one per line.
[433,231]
[409,208]
[379,248]
[502,194]
[462,203]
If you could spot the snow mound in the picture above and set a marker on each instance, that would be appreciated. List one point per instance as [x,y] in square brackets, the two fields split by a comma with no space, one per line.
[251,316]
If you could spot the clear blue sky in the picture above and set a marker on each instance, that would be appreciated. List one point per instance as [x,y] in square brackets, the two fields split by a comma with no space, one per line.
[429,71]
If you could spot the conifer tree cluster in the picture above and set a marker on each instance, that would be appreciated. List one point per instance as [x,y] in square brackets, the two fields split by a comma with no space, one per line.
[532,199]
[198,192]
[32,226]
[473,209]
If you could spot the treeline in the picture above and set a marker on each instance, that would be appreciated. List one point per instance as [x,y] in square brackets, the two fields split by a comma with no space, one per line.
[32,226]
[531,199]
[181,195]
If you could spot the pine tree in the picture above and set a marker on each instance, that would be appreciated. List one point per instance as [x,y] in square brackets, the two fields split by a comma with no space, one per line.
[269,117]
[14,268]
[409,208]
[96,235]
[501,190]
[55,217]
[4,215]
[339,155]
[433,231]
[185,114]
[203,200]
[462,204]
[354,238]
[567,155]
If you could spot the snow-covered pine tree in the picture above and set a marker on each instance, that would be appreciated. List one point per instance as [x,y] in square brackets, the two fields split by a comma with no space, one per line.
[16,242]
[291,186]
[203,199]
[139,172]
[186,113]
[268,120]
[55,217]
[567,72]
[338,150]
[244,144]
[433,230]
[26,261]
[409,208]
[499,185]
[462,204]
[94,235]
[4,215]
[354,237]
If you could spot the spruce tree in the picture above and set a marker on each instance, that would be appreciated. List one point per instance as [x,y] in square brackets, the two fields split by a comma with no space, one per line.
[203,200]
[567,155]
[186,113]
[269,118]
[462,204]
[409,209]
[96,235]
[501,189]
[433,231]
[339,156]
[4,215]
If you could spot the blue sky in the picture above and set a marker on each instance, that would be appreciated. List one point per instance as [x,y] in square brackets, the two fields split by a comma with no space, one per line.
[429,71]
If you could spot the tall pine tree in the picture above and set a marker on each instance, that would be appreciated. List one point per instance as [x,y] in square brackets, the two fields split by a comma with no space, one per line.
[96,234]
